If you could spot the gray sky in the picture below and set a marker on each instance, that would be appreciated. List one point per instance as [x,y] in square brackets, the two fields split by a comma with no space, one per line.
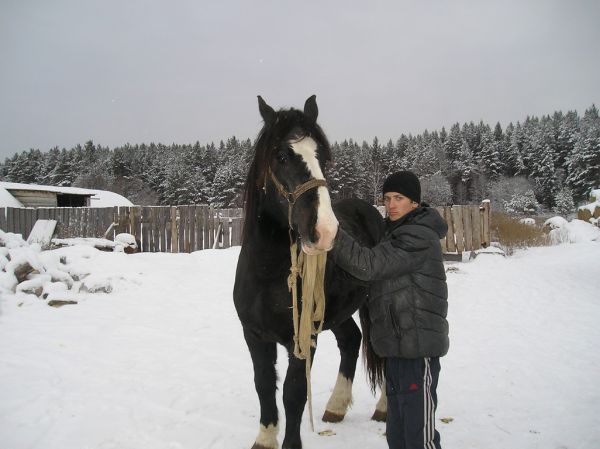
[118,71]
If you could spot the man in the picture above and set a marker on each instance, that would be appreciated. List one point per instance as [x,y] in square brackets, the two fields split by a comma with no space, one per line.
[407,307]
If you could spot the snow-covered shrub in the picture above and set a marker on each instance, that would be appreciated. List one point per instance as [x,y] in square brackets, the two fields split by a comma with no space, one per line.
[564,204]
[504,189]
[571,232]
[528,221]
[522,204]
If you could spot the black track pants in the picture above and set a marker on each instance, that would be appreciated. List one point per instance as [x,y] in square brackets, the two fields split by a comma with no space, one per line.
[412,399]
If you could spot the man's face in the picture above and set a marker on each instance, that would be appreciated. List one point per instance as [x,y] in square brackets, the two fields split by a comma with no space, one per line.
[397,205]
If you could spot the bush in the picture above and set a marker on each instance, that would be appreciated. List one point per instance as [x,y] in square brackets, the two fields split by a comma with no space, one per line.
[504,190]
[512,234]
[522,204]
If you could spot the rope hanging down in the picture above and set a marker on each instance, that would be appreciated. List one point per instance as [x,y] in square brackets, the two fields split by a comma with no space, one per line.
[312,271]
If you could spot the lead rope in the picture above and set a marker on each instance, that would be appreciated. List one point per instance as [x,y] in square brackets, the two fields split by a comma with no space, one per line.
[312,271]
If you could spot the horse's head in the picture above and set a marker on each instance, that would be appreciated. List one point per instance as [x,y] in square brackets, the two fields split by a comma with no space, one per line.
[291,152]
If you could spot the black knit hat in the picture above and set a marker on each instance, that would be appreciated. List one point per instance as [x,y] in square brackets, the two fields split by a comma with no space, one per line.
[404,182]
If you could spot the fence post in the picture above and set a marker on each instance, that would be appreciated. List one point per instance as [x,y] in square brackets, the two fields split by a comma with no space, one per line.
[486,223]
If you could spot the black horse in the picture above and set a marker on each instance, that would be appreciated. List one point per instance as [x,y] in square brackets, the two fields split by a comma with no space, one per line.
[290,155]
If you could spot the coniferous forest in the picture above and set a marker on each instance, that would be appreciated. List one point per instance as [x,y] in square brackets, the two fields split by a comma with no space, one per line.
[546,163]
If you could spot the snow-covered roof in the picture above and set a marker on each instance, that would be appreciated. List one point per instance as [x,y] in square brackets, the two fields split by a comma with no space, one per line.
[98,198]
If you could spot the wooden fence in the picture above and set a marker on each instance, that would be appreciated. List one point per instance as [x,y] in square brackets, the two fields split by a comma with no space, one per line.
[196,227]
[468,227]
[157,228]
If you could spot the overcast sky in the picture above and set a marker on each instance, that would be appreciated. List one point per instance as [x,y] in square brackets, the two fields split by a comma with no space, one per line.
[118,71]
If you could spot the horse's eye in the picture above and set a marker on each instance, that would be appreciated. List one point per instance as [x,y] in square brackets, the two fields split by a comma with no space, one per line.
[282,157]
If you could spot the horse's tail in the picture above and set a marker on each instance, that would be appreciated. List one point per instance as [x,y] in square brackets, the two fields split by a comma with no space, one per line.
[374,364]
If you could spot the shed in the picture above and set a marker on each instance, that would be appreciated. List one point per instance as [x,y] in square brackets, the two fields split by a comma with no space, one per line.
[34,195]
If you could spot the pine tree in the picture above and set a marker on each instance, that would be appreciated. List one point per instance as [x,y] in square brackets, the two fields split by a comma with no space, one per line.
[489,157]
[584,162]
[563,202]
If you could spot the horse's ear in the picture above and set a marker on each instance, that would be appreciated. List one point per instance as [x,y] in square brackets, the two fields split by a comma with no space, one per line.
[310,108]
[266,112]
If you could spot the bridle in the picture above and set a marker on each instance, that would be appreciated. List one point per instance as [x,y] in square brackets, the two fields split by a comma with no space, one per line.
[292,197]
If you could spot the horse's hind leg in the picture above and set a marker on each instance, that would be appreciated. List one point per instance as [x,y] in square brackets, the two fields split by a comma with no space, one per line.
[264,357]
[380,413]
[348,339]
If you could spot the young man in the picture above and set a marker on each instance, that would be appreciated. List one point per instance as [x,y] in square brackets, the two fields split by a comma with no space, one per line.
[407,307]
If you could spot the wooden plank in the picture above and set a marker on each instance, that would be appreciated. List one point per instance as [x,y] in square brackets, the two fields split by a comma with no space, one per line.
[136,223]
[158,229]
[146,233]
[468,228]
[458,228]
[443,243]
[174,230]
[3,219]
[476,227]
[166,223]
[199,228]
[10,219]
[205,226]
[236,231]
[226,232]
[162,225]
[180,227]
[486,225]
[183,227]
[94,222]
[28,221]
[450,237]
[42,232]
[211,227]
[192,228]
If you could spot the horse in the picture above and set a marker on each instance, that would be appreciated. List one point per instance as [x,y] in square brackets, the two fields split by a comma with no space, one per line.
[290,155]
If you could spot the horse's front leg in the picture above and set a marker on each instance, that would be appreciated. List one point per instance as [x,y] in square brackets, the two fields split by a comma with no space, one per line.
[264,357]
[348,339]
[294,399]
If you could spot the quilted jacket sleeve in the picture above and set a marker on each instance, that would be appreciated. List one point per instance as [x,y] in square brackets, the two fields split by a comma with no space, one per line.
[401,254]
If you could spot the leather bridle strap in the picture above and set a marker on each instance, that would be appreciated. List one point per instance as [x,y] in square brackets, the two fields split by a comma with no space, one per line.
[293,196]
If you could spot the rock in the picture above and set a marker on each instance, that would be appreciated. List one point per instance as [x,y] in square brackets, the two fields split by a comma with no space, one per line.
[60,302]
[22,270]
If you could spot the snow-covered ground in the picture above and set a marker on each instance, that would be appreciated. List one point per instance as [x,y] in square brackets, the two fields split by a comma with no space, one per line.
[160,362]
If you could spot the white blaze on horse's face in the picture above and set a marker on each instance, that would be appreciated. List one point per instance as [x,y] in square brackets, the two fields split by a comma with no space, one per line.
[327,224]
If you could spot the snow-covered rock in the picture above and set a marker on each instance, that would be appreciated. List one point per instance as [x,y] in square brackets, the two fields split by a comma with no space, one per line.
[571,232]
[527,221]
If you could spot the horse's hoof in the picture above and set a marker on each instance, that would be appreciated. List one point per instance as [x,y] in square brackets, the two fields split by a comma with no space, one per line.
[379,416]
[332,417]
[260,446]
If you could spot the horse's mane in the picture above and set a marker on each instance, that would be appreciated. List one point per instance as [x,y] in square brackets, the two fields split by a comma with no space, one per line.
[266,145]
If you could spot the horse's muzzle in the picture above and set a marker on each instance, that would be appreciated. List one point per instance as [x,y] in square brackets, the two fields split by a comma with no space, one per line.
[325,233]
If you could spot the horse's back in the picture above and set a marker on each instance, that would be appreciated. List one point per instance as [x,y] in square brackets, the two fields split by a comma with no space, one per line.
[360,219]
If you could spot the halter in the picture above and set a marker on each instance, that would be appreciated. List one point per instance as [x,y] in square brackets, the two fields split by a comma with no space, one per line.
[293,196]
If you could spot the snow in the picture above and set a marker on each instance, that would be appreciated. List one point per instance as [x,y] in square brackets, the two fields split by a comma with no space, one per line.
[160,361]
[527,221]
[571,232]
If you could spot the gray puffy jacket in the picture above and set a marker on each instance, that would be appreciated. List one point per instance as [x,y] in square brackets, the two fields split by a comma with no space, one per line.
[408,299]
